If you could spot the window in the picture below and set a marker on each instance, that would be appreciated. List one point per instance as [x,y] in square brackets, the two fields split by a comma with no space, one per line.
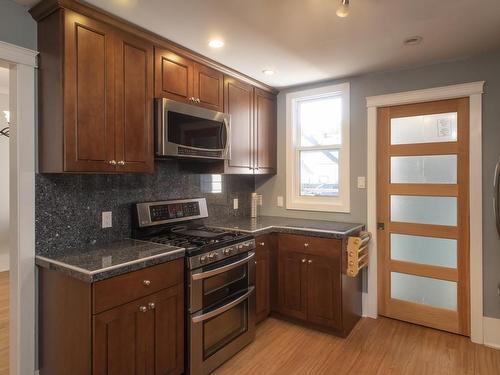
[318,149]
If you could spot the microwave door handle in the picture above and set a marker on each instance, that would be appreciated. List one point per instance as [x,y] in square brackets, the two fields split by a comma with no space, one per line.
[204,275]
[222,309]
[496,198]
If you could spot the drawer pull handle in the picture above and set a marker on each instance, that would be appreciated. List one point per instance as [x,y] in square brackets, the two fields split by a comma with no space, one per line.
[151,305]
[146,282]
[143,309]
[306,245]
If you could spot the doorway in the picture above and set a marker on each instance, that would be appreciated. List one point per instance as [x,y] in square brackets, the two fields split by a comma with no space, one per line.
[423,213]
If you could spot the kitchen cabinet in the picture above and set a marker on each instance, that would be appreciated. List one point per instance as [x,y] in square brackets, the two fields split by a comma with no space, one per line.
[96,95]
[127,324]
[313,287]
[262,278]
[181,79]
[253,128]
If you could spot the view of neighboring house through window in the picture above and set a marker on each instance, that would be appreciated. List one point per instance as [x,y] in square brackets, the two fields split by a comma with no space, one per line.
[318,149]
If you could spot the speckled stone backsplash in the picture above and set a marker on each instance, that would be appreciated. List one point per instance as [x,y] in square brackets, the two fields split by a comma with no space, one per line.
[68,207]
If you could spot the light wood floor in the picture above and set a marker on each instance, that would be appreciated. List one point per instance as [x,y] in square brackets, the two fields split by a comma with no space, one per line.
[382,346]
[4,323]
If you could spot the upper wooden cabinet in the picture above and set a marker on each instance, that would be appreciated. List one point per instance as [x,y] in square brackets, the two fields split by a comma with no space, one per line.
[253,128]
[181,79]
[96,97]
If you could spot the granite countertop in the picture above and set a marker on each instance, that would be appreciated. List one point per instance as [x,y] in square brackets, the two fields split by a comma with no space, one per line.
[269,224]
[99,262]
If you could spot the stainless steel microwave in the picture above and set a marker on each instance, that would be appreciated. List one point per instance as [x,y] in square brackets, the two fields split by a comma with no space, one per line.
[188,131]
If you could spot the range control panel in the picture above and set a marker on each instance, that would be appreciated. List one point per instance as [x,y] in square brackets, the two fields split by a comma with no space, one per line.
[174,211]
[164,212]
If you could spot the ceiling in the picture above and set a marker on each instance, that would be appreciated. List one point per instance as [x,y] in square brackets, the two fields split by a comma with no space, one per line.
[303,40]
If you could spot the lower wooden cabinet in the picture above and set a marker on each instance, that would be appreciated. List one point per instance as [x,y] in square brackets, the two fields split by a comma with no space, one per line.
[312,284]
[262,278]
[136,328]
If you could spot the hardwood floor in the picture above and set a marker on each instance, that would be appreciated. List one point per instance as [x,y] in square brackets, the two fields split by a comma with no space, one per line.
[4,323]
[381,346]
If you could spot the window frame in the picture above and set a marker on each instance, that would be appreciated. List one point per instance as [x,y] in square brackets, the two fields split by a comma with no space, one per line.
[294,201]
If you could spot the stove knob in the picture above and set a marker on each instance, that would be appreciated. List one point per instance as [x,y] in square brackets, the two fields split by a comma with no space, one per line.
[240,247]
[212,256]
[203,259]
[226,251]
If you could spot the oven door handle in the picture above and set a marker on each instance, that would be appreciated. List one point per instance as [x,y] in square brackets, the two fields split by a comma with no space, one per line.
[204,275]
[222,309]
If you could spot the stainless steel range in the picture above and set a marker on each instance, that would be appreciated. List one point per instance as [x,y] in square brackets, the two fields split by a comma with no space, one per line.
[220,298]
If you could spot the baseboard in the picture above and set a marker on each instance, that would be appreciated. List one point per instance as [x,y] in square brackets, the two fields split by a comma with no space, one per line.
[491,329]
[4,262]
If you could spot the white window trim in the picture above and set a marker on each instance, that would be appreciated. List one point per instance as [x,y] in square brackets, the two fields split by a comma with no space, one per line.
[326,204]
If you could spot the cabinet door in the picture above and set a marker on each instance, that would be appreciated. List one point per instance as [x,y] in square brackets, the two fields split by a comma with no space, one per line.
[173,76]
[169,331]
[122,340]
[134,104]
[208,86]
[262,284]
[238,102]
[265,132]
[324,291]
[89,129]
[292,294]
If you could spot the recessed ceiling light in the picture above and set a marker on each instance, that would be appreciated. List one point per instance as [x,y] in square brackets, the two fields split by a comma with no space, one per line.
[216,43]
[268,72]
[413,40]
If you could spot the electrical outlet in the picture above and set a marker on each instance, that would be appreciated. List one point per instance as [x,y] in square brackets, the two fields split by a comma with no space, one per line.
[235,203]
[107,219]
[362,182]
[280,201]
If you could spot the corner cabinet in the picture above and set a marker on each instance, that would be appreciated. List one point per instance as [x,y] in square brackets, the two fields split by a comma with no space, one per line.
[253,128]
[96,97]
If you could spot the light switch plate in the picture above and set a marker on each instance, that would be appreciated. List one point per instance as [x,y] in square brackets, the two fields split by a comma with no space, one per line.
[235,203]
[362,182]
[107,219]
[279,201]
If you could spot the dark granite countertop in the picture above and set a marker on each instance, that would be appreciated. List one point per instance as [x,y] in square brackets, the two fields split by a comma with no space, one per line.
[100,262]
[269,224]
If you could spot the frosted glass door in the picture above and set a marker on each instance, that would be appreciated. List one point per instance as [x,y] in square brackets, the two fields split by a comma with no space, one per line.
[422,203]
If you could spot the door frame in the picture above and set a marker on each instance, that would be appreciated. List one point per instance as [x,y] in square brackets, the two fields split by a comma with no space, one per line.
[473,91]
[21,63]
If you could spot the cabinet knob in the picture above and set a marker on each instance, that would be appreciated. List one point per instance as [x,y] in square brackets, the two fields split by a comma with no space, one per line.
[143,309]
[309,261]
[255,262]
[303,260]
[198,100]
[121,162]
[151,305]
[306,245]
[146,282]
[261,243]
[112,162]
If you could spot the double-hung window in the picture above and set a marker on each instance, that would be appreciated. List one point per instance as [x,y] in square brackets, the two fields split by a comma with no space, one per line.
[317,133]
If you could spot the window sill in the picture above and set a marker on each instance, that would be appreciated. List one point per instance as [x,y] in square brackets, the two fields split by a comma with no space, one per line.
[319,207]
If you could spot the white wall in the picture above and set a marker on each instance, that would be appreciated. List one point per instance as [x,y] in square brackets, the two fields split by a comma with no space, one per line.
[4,183]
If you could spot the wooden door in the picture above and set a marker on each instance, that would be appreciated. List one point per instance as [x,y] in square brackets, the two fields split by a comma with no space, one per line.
[262,280]
[169,331]
[208,86]
[292,290]
[89,128]
[238,102]
[134,104]
[122,340]
[324,291]
[423,214]
[265,132]
[173,76]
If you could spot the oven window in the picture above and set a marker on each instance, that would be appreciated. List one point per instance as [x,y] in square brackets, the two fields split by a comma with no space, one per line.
[195,132]
[224,328]
[219,287]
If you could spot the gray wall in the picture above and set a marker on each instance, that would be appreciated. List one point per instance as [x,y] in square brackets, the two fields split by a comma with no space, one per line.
[16,25]
[485,67]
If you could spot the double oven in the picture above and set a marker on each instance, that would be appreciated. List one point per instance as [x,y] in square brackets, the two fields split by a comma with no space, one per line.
[221,311]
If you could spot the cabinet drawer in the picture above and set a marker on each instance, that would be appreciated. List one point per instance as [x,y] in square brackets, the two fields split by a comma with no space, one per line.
[310,245]
[128,287]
